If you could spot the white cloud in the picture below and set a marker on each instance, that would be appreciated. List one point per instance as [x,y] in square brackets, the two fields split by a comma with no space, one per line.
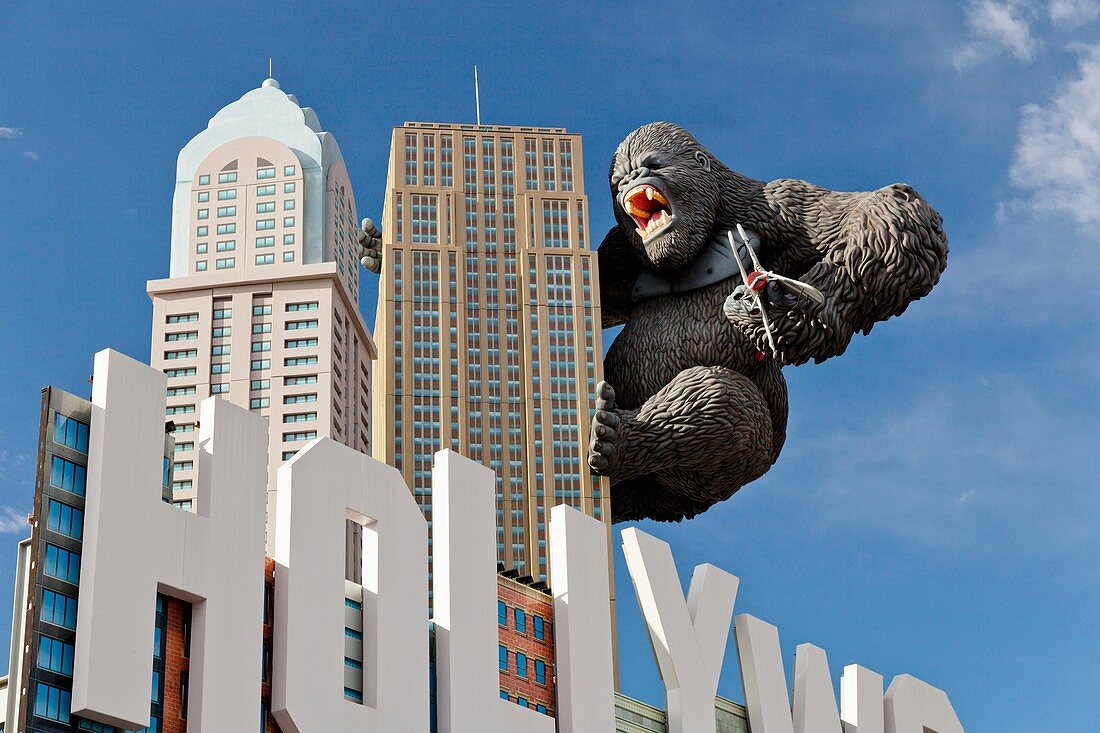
[16,480]
[1072,13]
[965,496]
[997,27]
[31,155]
[7,133]
[1057,157]
[1048,230]
[12,521]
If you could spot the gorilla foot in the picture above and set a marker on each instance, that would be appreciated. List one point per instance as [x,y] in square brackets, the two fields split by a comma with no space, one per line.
[602,456]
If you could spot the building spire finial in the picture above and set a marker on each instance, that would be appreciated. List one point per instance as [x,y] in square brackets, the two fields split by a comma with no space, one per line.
[477,96]
[270,80]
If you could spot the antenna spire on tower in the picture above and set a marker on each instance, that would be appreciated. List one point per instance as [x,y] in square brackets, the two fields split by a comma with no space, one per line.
[477,96]
[269,74]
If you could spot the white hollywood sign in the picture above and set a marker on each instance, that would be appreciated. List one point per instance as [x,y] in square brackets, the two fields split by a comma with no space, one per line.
[136,546]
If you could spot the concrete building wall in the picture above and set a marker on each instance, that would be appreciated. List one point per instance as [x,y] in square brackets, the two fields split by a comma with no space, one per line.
[137,546]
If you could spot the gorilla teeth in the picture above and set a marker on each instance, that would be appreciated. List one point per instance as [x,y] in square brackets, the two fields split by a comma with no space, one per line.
[656,223]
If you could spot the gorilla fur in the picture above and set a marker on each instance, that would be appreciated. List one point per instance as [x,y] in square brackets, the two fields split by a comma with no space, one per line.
[698,406]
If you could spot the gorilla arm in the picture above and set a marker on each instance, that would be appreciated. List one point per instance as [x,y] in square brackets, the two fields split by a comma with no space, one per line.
[881,250]
[619,270]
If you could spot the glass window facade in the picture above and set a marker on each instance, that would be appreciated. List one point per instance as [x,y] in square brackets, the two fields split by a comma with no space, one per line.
[62,564]
[58,609]
[52,703]
[65,519]
[55,655]
[70,433]
[71,477]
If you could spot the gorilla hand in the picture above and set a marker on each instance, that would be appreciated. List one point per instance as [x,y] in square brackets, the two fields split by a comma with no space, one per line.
[370,246]
[743,310]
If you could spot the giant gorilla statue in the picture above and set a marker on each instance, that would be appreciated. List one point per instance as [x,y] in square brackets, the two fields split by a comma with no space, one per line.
[695,405]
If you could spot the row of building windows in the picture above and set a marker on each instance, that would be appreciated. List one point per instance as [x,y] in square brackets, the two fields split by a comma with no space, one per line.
[58,609]
[257,403]
[524,702]
[228,263]
[255,384]
[55,655]
[70,432]
[262,207]
[52,703]
[224,211]
[182,318]
[522,666]
[65,519]
[538,624]
[62,564]
[229,245]
[68,476]
[261,173]
[224,313]
[256,347]
[551,165]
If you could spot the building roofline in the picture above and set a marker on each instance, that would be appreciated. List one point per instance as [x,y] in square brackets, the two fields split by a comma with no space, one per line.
[486,128]
[316,271]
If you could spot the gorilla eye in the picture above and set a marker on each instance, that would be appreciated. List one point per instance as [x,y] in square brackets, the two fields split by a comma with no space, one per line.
[652,161]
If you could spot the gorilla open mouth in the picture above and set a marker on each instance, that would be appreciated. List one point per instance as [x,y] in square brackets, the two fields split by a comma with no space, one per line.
[649,208]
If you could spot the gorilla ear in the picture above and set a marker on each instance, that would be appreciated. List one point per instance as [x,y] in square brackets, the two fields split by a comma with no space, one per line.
[703,160]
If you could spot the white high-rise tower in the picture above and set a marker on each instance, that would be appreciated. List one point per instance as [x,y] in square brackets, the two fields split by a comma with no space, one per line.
[262,303]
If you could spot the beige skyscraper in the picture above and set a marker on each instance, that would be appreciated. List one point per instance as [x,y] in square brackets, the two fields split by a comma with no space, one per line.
[262,302]
[489,321]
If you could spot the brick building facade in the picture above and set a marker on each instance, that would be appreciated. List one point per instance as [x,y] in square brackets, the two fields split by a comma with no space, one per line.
[525,614]
[177,664]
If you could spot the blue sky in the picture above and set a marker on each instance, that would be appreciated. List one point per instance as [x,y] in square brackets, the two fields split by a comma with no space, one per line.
[935,509]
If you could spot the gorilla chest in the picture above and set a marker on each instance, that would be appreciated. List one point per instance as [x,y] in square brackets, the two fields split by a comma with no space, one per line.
[669,334]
